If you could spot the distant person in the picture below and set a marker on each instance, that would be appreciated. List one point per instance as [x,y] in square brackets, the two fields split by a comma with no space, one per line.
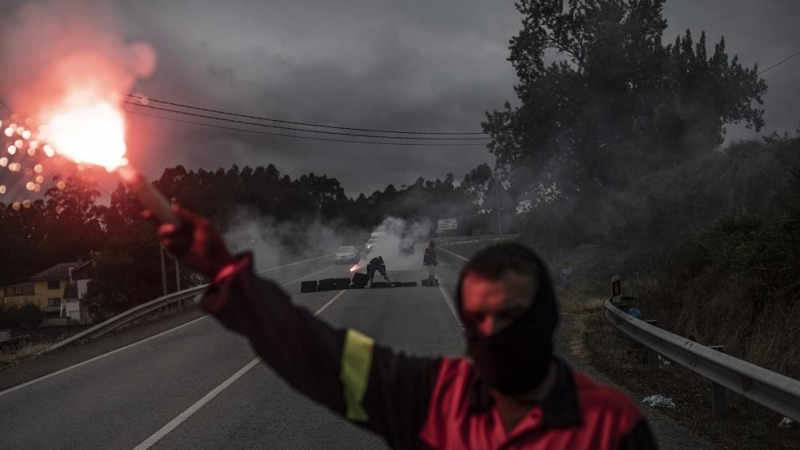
[511,392]
[377,265]
[429,261]
[566,276]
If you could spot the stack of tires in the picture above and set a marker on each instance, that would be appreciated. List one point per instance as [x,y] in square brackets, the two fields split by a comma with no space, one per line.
[360,281]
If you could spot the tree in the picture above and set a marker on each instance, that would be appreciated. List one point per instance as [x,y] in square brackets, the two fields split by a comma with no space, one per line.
[127,271]
[74,222]
[615,102]
[29,315]
[476,183]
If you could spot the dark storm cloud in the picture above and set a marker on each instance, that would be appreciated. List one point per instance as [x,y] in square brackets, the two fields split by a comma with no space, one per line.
[413,64]
[400,65]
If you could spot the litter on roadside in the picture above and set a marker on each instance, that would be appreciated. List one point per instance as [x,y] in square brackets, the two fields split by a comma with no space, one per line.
[786,423]
[659,401]
[634,312]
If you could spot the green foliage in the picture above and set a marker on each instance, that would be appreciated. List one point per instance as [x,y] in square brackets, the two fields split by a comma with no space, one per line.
[742,272]
[127,271]
[29,315]
[67,227]
[8,315]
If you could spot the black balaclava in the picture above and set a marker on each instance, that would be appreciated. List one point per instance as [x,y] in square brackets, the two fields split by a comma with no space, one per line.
[516,359]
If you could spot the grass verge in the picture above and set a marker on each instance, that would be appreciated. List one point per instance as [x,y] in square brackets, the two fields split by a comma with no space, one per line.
[749,425]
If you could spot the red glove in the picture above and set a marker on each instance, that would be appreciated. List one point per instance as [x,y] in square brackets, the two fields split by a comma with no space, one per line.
[196,243]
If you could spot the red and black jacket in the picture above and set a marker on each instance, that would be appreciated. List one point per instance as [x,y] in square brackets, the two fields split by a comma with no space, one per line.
[414,403]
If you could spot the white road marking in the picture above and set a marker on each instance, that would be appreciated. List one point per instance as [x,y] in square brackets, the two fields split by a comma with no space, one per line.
[329,303]
[449,300]
[149,442]
[174,423]
[75,366]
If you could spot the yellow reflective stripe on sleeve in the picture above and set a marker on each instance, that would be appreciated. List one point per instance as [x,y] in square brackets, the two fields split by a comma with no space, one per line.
[356,362]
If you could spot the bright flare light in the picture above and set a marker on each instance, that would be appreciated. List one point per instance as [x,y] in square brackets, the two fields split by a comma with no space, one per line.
[89,131]
[354,268]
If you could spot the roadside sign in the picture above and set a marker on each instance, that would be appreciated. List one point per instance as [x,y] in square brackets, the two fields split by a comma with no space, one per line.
[447,224]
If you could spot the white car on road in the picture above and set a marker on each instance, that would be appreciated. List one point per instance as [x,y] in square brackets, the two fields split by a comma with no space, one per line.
[347,254]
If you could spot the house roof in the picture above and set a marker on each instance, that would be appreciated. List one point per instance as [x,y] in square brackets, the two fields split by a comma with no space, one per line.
[58,272]
[84,271]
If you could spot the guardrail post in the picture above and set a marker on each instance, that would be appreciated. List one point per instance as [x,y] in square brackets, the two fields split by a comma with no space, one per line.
[652,355]
[616,290]
[718,401]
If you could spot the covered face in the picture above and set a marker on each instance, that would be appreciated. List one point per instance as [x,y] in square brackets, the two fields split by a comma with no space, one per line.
[508,307]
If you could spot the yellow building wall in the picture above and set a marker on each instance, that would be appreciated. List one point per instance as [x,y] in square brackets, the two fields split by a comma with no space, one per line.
[41,296]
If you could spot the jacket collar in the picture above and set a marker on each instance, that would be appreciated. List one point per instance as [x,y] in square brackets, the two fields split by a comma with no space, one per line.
[560,409]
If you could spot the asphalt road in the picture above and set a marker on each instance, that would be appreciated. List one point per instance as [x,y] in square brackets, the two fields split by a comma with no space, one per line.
[192,384]
[199,386]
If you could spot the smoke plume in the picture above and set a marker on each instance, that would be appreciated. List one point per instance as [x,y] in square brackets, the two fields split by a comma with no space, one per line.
[51,49]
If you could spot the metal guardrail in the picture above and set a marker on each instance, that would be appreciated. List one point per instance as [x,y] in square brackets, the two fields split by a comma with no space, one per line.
[154,305]
[455,240]
[458,257]
[471,240]
[775,391]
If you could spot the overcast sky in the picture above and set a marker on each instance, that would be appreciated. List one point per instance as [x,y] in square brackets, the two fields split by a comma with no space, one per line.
[410,64]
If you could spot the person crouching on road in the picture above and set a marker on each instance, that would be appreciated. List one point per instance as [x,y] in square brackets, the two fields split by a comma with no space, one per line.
[511,391]
[377,264]
[429,261]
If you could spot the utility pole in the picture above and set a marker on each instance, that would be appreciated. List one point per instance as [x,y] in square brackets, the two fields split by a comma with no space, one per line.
[177,265]
[499,208]
[163,270]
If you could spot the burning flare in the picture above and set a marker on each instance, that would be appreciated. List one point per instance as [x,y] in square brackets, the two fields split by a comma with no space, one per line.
[89,130]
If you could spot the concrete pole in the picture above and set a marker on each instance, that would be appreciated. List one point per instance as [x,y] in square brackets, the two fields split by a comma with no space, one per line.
[163,271]
[177,265]
[499,208]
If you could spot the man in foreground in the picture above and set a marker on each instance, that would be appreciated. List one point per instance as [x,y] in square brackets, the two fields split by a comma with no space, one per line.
[516,393]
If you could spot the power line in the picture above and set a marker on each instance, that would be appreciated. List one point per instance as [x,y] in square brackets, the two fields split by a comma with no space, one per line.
[778,63]
[310,138]
[280,127]
[308,124]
